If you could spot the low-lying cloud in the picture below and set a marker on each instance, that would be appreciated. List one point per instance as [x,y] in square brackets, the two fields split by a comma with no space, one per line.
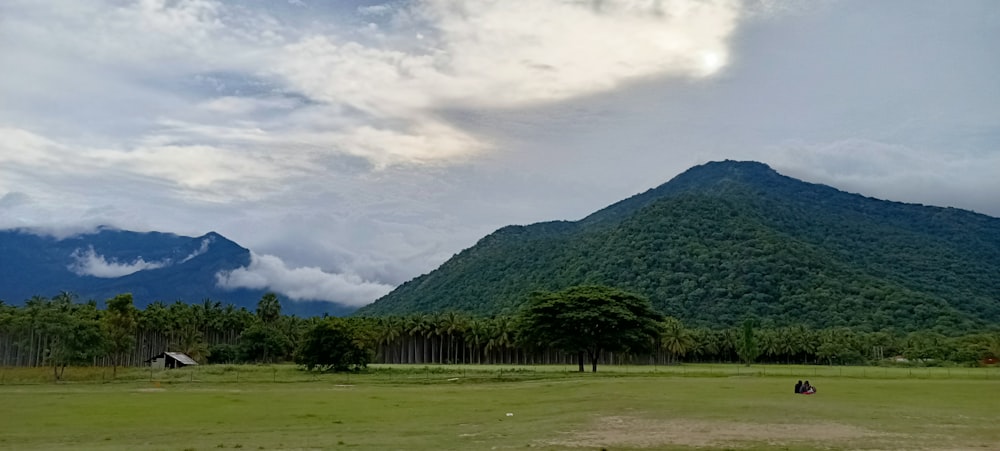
[305,283]
[90,263]
[201,249]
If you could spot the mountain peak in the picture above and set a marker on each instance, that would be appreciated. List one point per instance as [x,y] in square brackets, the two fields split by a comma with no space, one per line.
[709,177]
[731,239]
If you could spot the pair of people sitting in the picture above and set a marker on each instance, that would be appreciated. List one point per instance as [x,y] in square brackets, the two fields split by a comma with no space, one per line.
[804,388]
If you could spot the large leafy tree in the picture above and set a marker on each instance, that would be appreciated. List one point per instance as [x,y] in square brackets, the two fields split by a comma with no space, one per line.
[265,341]
[590,319]
[333,345]
[71,333]
[265,344]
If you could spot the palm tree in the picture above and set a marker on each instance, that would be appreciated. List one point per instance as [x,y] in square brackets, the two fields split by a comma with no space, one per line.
[501,337]
[65,297]
[209,313]
[269,308]
[769,344]
[785,345]
[229,323]
[153,325]
[190,341]
[179,316]
[453,323]
[675,339]
[809,341]
[703,345]
[388,334]
[476,338]
[727,342]
[418,328]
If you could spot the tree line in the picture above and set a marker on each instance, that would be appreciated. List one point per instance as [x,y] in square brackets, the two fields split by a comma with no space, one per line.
[550,329]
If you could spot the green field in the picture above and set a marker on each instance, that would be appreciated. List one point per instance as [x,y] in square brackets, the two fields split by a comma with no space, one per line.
[466,407]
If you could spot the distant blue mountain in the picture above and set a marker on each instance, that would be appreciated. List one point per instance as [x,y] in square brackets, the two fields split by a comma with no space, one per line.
[153,266]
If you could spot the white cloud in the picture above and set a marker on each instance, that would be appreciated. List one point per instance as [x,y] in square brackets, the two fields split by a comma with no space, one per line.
[535,51]
[190,170]
[201,249]
[306,283]
[90,263]
[242,106]
[496,55]
[375,10]
[285,98]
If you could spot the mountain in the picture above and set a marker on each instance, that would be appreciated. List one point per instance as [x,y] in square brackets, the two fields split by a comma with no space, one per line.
[729,240]
[153,266]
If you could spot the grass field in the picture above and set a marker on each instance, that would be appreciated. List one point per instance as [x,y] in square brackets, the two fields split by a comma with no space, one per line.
[466,407]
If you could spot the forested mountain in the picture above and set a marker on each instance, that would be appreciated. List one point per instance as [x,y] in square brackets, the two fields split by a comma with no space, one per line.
[728,240]
[152,266]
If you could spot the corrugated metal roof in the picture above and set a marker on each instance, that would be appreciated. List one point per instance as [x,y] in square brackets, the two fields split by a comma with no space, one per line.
[182,357]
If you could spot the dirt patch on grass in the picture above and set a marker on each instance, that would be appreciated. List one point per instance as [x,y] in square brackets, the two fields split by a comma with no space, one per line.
[649,433]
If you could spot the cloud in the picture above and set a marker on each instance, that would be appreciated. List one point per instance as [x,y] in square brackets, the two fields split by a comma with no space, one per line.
[201,250]
[243,106]
[90,263]
[235,101]
[196,171]
[375,10]
[14,199]
[304,283]
[474,55]
[893,171]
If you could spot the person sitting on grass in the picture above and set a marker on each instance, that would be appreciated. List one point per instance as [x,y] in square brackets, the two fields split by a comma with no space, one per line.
[798,387]
[807,389]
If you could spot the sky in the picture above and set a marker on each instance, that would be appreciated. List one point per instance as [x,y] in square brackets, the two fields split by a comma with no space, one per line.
[354,145]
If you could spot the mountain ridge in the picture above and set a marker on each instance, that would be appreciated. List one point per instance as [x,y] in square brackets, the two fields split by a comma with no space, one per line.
[152,266]
[727,240]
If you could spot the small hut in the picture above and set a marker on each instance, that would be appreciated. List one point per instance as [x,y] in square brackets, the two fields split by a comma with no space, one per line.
[169,360]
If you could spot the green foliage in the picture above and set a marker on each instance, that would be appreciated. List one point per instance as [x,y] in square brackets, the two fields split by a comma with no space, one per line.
[71,333]
[590,319]
[268,308]
[675,339]
[748,347]
[272,337]
[333,345]
[36,335]
[119,324]
[190,341]
[224,353]
[263,343]
[726,241]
